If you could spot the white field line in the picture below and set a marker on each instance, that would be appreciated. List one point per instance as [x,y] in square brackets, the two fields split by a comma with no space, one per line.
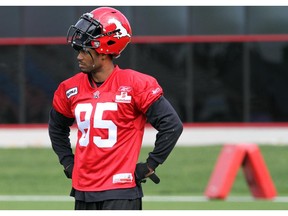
[60,198]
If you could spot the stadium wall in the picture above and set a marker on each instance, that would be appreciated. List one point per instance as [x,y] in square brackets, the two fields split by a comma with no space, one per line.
[36,135]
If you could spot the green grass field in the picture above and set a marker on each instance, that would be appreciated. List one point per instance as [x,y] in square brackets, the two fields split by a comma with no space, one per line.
[36,172]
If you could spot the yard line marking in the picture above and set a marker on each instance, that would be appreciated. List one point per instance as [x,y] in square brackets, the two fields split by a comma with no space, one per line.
[205,199]
[63,198]
[175,199]
[36,198]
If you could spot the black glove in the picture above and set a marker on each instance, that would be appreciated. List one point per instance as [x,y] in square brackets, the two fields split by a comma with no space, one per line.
[68,170]
[140,174]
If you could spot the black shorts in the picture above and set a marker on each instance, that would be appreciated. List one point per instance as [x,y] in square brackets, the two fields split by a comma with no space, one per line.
[120,204]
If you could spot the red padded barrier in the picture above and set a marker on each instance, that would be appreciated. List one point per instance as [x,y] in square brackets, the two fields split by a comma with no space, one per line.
[230,159]
[257,176]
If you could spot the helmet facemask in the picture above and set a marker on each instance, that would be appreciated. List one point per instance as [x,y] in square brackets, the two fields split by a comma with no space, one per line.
[83,32]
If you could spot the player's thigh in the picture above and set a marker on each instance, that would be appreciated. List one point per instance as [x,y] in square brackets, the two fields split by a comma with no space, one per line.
[135,204]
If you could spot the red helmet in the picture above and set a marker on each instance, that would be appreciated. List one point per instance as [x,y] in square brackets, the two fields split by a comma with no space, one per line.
[105,29]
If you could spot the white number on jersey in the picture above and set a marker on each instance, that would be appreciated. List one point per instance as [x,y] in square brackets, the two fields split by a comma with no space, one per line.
[84,125]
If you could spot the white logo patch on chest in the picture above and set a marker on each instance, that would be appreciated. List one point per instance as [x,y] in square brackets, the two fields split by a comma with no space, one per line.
[123,98]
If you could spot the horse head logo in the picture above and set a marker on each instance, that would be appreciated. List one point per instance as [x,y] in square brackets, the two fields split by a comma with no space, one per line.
[122,31]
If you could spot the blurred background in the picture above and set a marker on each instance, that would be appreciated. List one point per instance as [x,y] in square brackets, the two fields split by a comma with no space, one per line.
[227,79]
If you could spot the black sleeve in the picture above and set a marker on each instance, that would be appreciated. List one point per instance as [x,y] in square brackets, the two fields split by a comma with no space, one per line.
[162,116]
[59,132]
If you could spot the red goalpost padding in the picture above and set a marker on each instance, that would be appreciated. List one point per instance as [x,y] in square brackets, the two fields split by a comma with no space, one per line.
[231,158]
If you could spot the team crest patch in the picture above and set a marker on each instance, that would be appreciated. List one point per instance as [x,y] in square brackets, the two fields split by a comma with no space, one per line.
[123,98]
[71,92]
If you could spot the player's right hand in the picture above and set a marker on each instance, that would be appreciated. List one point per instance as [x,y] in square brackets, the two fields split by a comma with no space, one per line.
[142,171]
[68,170]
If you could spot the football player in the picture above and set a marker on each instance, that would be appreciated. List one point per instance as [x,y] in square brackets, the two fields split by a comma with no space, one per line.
[110,107]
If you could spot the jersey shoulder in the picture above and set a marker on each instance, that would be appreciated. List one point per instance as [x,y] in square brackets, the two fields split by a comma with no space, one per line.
[143,87]
[74,84]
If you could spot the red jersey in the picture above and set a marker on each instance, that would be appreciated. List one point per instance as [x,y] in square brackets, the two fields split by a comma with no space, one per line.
[111,121]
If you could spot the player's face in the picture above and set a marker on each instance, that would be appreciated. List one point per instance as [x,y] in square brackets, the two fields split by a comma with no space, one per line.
[88,60]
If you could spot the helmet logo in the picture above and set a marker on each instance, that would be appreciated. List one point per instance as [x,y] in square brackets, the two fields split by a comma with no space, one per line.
[122,31]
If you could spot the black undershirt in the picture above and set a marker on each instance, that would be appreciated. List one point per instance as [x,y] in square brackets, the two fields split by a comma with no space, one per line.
[93,82]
